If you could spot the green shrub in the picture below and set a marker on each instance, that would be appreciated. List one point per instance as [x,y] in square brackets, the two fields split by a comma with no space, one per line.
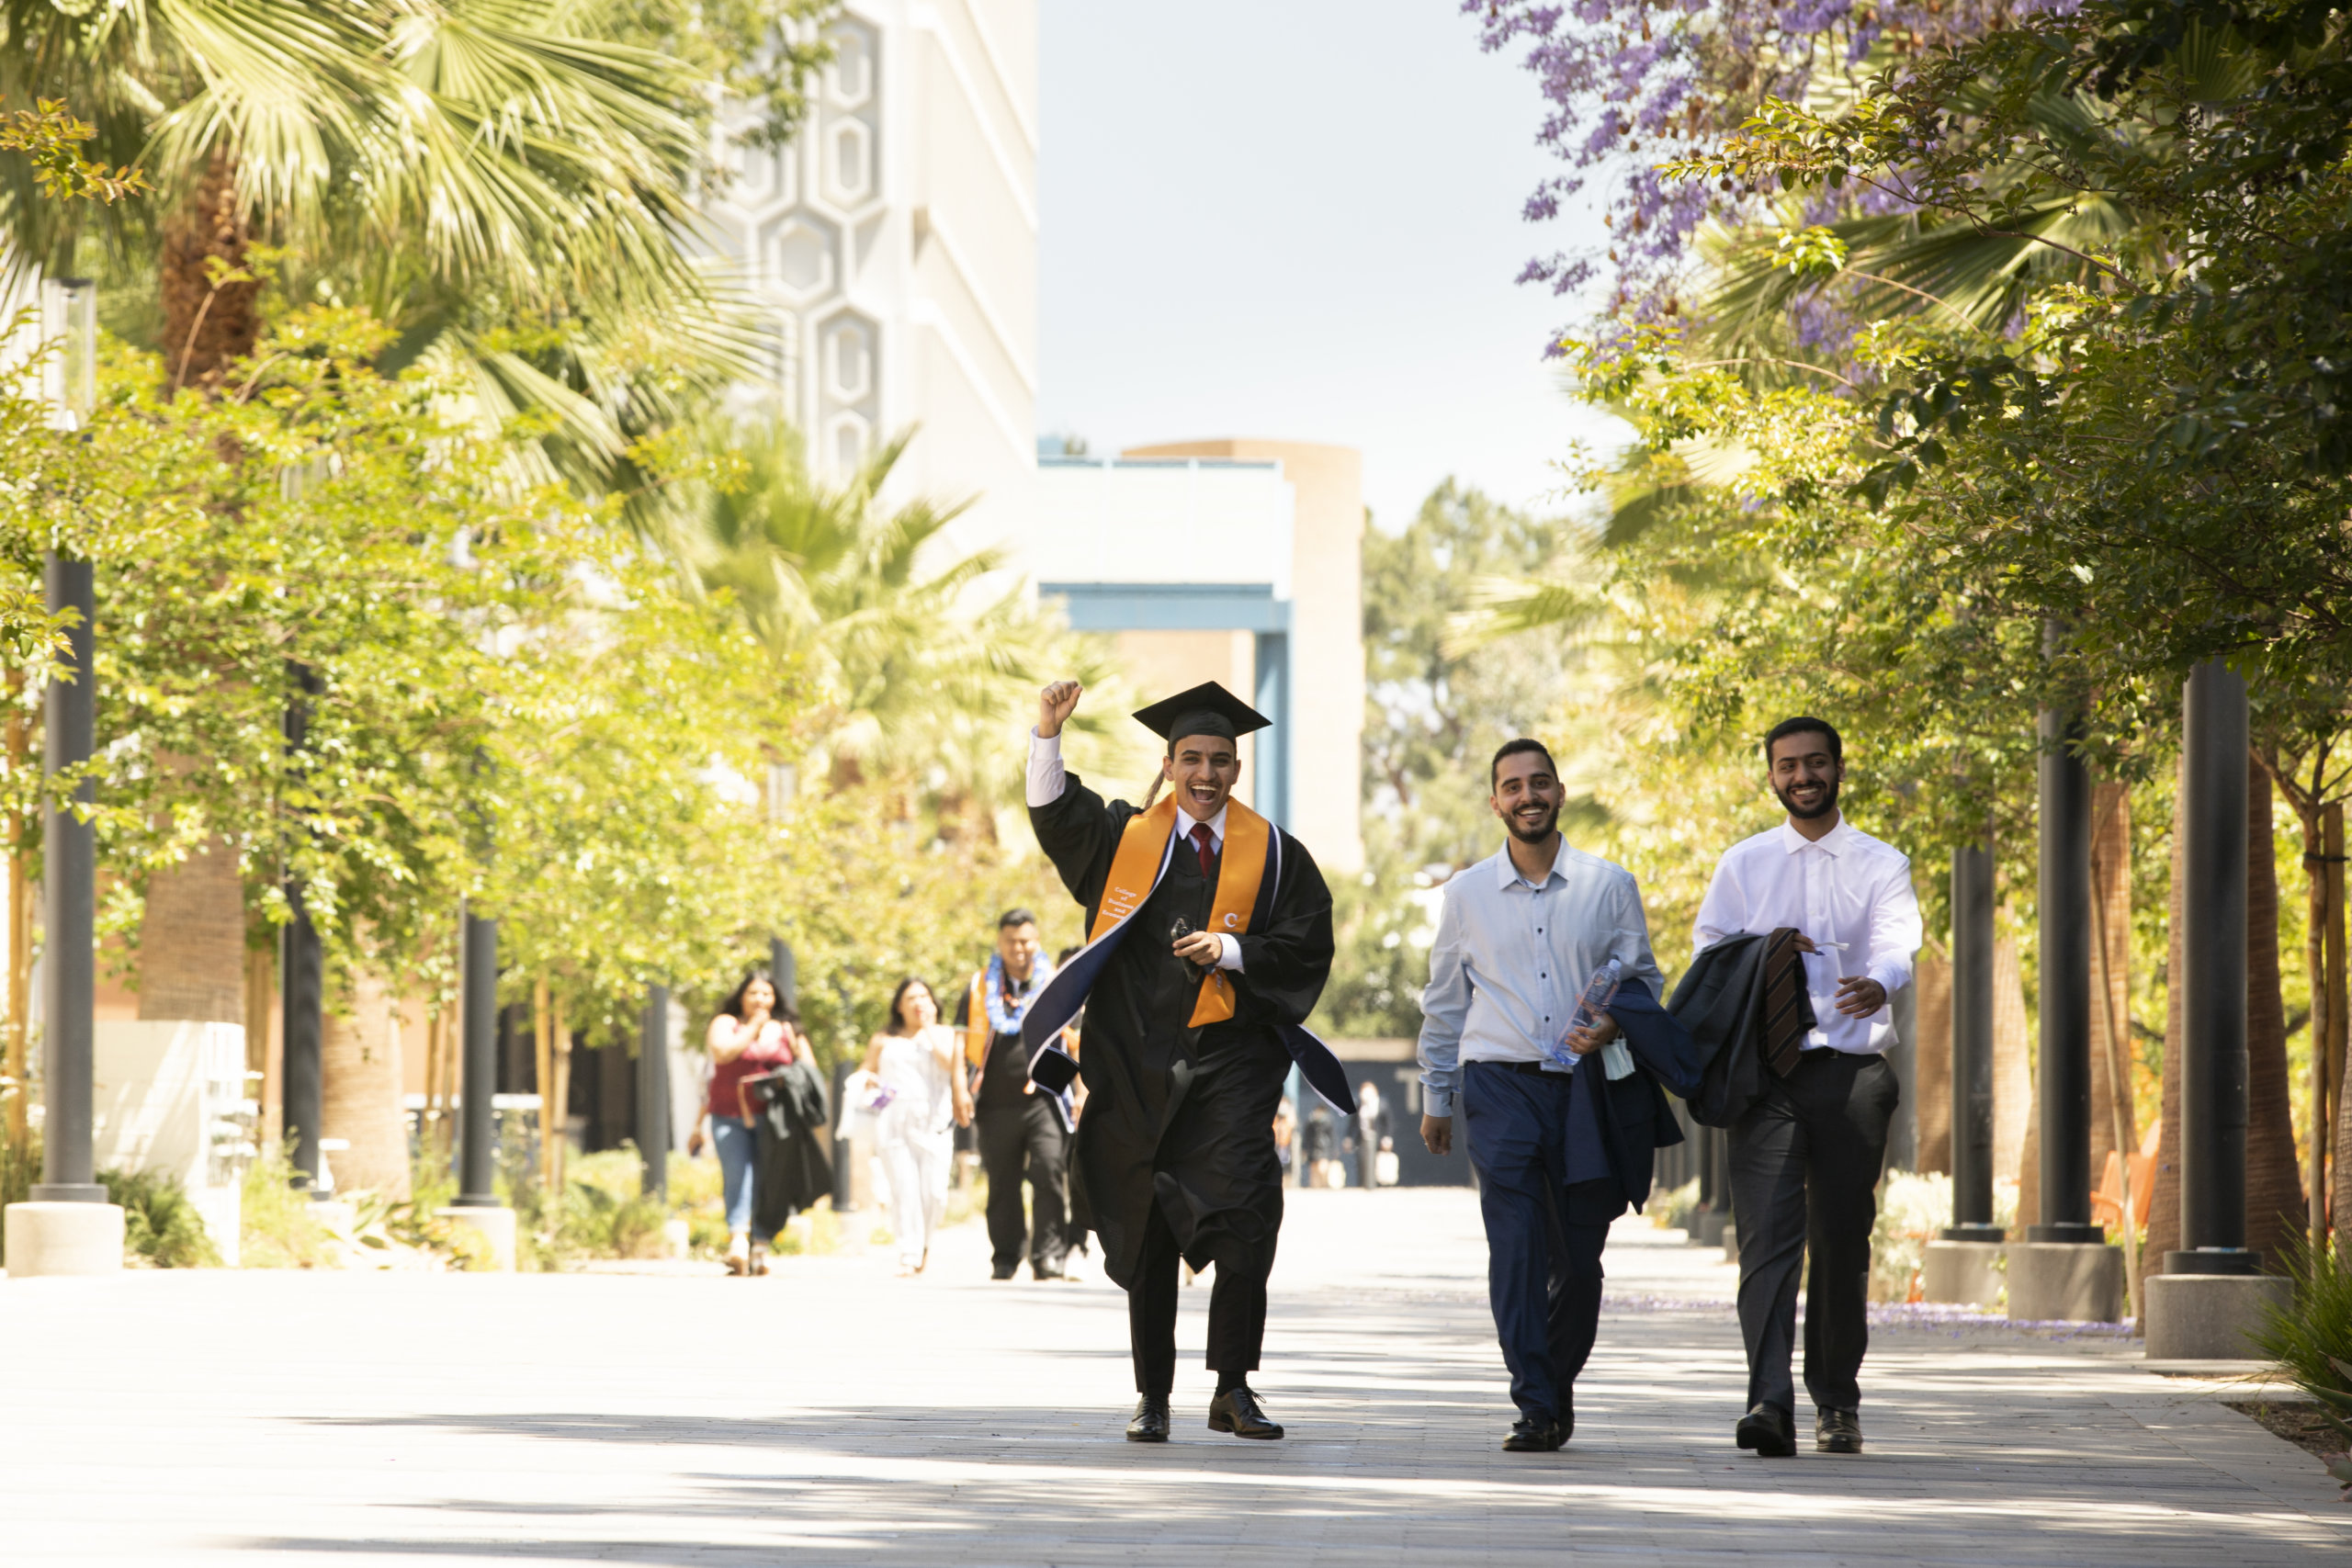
[17,1173]
[160,1226]
[277,1227]
[2313,1339]
[1671,1208]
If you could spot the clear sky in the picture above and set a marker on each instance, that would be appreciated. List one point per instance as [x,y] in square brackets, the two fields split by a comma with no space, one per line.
[1298,219]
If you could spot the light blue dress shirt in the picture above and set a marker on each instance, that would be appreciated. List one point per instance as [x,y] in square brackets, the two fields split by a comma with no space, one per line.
[1510,959]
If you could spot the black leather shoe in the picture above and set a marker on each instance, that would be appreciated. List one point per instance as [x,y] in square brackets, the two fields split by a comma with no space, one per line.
[1236,1411]
[1838,1432]
[1000,1274]
[1150,1424]
[1534,1435]
[1768,1430]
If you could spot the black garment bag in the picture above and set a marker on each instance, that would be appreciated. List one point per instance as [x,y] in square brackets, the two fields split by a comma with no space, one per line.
[795,1143]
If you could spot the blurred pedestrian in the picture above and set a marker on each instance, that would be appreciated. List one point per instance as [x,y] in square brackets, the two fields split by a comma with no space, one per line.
[1081,1212]
[1285,1138]
[1373,1134]
[913,1059]
[1318,1147]
[747,1038]
[1024,1131]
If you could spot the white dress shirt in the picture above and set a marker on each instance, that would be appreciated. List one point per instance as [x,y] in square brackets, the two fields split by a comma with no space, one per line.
[1048,778]
[1511,958]
[1845,886]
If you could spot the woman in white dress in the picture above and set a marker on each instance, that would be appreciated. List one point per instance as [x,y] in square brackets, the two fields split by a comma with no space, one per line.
[913,1060]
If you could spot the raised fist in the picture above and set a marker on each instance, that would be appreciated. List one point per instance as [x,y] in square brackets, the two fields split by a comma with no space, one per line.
[1054,705]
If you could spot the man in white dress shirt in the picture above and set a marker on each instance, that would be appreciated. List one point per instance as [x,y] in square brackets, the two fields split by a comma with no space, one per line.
[1518,934]
[1806,1158]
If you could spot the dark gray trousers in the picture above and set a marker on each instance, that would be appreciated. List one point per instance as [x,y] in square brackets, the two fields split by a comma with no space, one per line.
[1026,1141]
[1804,1168]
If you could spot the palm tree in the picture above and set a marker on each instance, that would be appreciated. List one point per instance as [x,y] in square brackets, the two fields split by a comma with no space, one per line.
[500,181]
[926,668]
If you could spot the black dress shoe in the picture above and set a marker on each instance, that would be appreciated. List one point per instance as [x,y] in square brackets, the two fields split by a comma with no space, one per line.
[1534,1435]
[1838,1432]
[1236,1411]
[1768,1430]
[1150,1424]
[1000,1274]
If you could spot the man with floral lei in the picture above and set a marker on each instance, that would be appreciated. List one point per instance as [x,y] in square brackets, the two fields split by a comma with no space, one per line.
[1024,1131]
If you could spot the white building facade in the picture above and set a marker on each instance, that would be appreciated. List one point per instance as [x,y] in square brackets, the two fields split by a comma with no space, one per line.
[892,251]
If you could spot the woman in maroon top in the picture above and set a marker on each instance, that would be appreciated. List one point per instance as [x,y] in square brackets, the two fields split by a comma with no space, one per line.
[746,1039]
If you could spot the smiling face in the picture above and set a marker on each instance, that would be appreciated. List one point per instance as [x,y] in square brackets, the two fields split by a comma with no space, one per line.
[1804,775]
[1527,797]
[1018,946]
[1203,768]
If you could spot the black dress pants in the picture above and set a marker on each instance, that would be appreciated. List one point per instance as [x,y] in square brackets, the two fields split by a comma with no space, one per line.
[1804,1168]
[1237,1312]
[1026,1142]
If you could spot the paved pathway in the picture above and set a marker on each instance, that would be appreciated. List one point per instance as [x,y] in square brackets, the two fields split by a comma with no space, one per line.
[831,1413]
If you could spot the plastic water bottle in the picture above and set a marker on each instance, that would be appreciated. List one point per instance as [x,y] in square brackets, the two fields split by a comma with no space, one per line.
[1597,994]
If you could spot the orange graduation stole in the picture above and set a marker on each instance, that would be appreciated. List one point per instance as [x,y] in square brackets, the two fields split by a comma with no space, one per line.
[1144,848]
[977,1033]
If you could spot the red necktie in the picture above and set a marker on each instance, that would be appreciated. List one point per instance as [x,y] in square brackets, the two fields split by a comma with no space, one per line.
[1205,846]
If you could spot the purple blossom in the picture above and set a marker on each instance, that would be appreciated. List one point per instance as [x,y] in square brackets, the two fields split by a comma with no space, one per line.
[1628,83]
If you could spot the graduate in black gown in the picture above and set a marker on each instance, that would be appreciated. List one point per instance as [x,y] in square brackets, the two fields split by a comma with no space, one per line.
[1186,1046]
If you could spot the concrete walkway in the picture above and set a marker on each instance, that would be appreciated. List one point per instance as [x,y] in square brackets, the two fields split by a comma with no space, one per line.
[832,1413]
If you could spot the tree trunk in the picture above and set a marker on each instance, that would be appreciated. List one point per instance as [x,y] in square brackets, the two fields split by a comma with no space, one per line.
[208,325]
[192,940]
[2017,1141]
[2164,1207]
[2274,1188]
[2111,887]
[1932,1061]
[360,1064]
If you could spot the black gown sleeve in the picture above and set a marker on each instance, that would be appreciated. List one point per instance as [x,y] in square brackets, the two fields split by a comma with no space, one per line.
[1080,834]
[1283,967]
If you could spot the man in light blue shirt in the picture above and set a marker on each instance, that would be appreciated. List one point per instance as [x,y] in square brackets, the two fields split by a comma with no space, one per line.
[1559,1152]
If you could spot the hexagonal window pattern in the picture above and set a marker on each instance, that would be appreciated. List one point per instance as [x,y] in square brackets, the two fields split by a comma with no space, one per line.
[850,78]
[849,161]
[800,255]
[755,178]
[846,440]
[849,359]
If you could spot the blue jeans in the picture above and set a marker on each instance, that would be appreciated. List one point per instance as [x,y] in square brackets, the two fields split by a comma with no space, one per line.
[738,1164]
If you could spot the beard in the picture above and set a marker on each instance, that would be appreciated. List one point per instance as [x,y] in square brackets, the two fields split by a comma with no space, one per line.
[1827,804]
[1536,834]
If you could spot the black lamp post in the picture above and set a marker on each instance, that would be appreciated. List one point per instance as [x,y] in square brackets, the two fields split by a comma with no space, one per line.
[478,1010]
[69,876]
[1972,1046]
[654,1093]
[2213,976]
[302,982]
[2065,936]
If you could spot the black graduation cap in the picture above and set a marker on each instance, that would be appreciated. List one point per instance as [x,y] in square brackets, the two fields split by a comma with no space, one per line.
[1207,709]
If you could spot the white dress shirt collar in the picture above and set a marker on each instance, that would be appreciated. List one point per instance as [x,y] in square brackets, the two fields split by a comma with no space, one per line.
[1184,820]
[1829,844]
[1506,869]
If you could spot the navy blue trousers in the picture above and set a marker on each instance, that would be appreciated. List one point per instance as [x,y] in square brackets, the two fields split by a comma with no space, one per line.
[1544,1232]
